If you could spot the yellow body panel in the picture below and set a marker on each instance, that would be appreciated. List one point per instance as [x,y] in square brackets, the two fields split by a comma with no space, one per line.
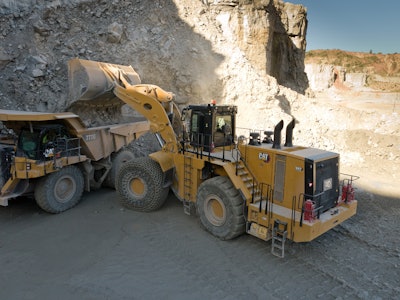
[38,169]
[298,229]
[327,220]
[261,162]
[164,159]
[188,175]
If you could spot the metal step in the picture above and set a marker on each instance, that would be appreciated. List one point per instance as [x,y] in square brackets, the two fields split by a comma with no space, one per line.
[187,184]
[279,235]
[187,207]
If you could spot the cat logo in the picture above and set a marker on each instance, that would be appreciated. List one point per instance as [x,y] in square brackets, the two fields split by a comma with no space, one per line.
[263,156]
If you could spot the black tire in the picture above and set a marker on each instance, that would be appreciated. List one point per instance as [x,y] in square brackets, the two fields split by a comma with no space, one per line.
[140,185]
[220,208]
[60,190]
[117,161]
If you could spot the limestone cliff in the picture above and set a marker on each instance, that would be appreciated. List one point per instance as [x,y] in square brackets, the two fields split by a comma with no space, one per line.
[227,50]
[271,34]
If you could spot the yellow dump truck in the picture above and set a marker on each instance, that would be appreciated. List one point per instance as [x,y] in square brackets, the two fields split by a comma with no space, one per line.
[55,157]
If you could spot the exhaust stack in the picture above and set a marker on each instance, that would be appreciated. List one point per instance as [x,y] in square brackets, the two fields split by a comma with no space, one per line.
[277,135]
[289,133]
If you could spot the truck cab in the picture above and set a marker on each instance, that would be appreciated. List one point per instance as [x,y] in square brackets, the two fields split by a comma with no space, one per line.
[40,142]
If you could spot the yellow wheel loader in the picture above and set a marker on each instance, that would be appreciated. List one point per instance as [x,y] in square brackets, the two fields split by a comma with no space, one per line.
[55,157]
[251,184]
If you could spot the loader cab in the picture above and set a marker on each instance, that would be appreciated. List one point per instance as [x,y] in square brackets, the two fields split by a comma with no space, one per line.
[211,126]
[39,142]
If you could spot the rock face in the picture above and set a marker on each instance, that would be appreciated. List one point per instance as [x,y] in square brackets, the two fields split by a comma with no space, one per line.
[200,50]
[323,77]
[271,35]
[356,70]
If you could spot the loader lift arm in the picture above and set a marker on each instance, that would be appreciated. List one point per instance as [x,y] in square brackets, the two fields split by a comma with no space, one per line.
[157,106]
[95,81]
[145,100]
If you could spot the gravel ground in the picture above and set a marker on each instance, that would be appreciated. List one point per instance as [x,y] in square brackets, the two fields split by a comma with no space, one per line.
[98,250]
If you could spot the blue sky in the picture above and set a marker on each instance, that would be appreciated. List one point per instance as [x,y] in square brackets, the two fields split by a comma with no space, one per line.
[353,25]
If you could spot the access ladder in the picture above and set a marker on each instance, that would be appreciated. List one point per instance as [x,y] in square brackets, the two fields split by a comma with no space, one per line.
[187,186]
[279,235]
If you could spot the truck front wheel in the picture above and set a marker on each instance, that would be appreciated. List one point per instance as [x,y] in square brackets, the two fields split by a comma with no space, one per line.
[140,184]
[60,190]
[220,208]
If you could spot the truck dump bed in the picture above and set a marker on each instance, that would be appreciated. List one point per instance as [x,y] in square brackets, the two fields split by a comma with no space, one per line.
[95,142]
[14,115]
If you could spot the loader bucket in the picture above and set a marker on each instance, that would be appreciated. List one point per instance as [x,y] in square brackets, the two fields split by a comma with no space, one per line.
[93,81]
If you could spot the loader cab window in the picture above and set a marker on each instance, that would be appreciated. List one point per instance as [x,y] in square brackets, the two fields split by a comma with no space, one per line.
[220,124]
[197,128]
[211,126]
[223,130]
[195,123]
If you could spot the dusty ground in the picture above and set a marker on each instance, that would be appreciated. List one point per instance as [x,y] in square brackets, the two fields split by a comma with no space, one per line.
[100,251]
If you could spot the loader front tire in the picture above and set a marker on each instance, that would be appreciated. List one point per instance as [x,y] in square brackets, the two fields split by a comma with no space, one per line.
[220,208]
[140,185]
[60,190]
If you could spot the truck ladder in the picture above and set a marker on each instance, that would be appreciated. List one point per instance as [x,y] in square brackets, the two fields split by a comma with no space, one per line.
[279,235]
[187,184]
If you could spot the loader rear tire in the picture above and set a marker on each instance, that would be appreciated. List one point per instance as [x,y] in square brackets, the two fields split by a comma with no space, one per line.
[140,184]
[60,190]
[117,161]
[220,208]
